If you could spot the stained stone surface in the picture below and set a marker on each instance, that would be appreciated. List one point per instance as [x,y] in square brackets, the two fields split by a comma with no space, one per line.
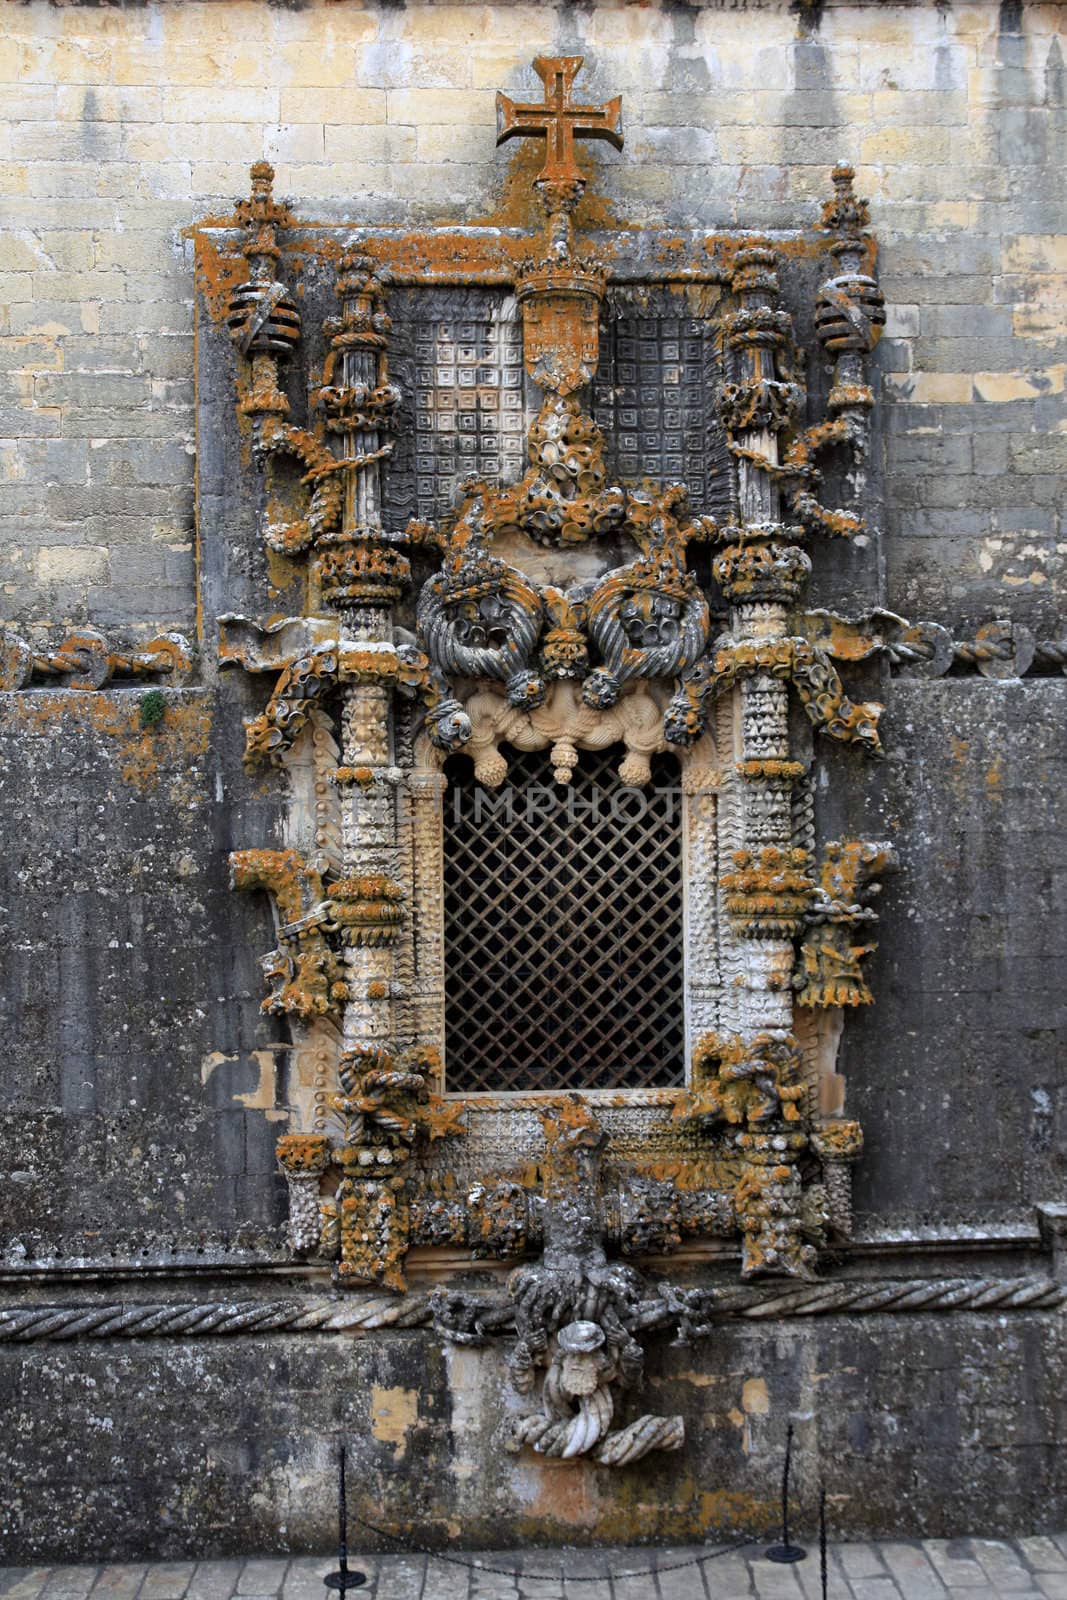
[229,1445]
[139,1077]
[136,1094]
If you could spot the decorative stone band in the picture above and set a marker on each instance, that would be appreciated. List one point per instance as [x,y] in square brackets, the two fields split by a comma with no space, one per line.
[369,1313]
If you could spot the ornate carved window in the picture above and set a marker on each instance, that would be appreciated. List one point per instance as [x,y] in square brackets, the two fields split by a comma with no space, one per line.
[519,518]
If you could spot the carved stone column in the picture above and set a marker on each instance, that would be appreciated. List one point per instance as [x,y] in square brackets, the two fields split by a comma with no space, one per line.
[425,798]
[758,577]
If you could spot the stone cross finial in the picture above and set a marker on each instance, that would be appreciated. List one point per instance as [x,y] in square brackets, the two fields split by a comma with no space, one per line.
[558,121]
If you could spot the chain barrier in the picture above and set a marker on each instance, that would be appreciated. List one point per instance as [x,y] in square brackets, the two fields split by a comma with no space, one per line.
[408,1547]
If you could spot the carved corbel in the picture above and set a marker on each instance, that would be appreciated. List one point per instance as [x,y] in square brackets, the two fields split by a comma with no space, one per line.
[575,1313]
[298,690]
[565,724]
[782,1222]
[743,1084]
[756,1087]
[304,972]
[838,1145]
[384,1107]
[830,972]
[303,1158]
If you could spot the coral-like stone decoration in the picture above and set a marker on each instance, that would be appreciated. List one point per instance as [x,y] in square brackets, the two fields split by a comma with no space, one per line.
[641,651]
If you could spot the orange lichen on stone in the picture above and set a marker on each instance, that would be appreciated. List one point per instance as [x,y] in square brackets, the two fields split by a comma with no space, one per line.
[147,758]
[744,1083]
[295,885]
[830,958]
[769,894]
[219,270]
[771,768]
[366,909]
[838,1141]
[304,1153]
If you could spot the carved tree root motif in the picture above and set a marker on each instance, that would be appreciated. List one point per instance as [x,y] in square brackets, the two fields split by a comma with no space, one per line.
[648,1433]
[580,1374]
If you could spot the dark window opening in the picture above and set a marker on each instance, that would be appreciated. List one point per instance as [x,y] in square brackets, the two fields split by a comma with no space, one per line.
[563,928]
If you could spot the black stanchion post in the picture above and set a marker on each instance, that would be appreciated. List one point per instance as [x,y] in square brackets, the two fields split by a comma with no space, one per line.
[786,1553]
[342,1580]
[822,1539]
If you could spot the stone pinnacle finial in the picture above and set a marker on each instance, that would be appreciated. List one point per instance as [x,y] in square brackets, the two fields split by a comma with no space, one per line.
[845,213]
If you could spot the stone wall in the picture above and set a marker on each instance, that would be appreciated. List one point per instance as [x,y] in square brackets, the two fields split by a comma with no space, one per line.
[141,1085]
[121,127]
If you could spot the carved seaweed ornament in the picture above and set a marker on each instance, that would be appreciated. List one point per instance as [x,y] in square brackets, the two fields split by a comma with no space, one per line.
[631,655]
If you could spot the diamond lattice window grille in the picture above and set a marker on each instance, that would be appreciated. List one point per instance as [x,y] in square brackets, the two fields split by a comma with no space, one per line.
[563,929]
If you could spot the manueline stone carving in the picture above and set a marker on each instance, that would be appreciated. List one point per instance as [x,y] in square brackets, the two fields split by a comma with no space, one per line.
[569,610]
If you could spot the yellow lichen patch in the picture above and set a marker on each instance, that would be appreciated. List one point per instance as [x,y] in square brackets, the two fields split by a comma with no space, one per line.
[218,273]
[393,1413]
[147,758]
[755,1402]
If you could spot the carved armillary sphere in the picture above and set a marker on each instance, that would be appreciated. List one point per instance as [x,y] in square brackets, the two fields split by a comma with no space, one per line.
[558,121]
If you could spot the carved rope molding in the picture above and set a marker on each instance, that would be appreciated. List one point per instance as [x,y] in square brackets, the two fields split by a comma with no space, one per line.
[368,1313]
[504,655]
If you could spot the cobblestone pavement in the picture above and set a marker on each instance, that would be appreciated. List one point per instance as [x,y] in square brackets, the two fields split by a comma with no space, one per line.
[970,1569]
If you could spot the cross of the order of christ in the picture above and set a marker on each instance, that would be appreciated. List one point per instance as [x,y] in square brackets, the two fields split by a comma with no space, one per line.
[559,122]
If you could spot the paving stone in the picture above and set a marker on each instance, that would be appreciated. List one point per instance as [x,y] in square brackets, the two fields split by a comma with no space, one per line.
[1005,1569]
[601,1590]
[70,1581]
[22,1583]
[1043,1554]
[723,1575]
[643,1587]
[985,1592]
[860,1561]
[446,1580]
[119,1582]
[913,1573]
[958,1570]
[213,1580]
[775,1583]
[169,1581]
[402,1578]
[807,1575]
[977,1569]
[304,1579]
[261,1577]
